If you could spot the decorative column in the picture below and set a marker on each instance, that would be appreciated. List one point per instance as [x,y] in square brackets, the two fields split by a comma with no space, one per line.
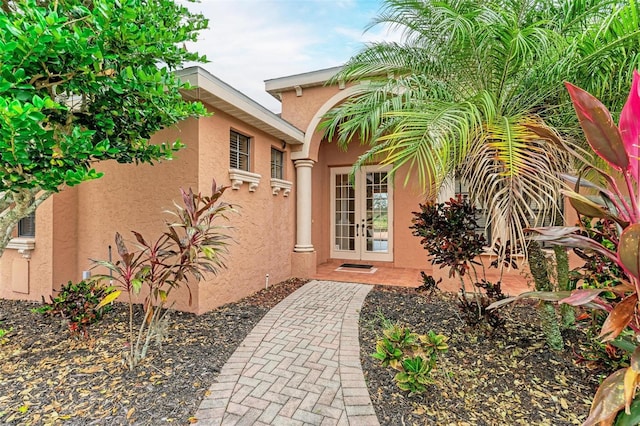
[303,204]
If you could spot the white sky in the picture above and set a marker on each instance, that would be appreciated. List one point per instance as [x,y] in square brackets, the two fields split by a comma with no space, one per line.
[250,41]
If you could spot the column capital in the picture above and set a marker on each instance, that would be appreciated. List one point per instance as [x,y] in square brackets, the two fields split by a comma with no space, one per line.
[304,163]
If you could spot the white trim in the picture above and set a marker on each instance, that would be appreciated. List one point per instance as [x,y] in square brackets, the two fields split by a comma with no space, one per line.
[219,94]
[360,251]
[278,185]
[303,206]
[275,86]
[24,245]
[238,177]
[335,253]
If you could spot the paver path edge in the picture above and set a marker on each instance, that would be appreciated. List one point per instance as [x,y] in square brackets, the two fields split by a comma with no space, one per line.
[300,365]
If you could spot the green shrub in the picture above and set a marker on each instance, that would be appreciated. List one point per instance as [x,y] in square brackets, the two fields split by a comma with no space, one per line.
[76,303]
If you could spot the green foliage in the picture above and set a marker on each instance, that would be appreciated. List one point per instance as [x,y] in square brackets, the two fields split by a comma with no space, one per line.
[611,245]
[629,419]
[476,86]
[4,333]
[82,82]
[605,356]
[77,304]
[415,374]
[413,355]
[599,272]
[192,245]
[390,349]
[388,353]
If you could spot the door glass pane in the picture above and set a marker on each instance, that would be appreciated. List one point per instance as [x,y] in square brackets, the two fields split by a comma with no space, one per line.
[344,214]
[377,212]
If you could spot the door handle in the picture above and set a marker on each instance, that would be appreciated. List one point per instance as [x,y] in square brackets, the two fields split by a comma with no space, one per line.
[357,226]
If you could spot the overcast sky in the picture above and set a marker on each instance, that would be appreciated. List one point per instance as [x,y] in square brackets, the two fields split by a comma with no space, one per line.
[250,41]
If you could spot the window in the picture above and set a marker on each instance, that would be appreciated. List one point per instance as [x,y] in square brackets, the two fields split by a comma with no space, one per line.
[27,226]
[240,148]
[277,163]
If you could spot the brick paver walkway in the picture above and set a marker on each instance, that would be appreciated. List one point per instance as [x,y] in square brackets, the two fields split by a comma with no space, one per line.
[299,366]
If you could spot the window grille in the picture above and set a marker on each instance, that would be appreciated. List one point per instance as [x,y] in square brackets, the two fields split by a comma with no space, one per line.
[277,164]
[240,149]
[27,226]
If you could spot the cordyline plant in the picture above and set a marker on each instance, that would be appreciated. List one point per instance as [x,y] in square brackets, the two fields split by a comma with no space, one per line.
[192,245]
[619,146]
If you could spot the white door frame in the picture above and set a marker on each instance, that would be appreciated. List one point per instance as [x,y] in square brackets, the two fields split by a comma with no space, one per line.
[358,233]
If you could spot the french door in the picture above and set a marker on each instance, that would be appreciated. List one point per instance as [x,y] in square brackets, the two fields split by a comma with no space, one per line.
[362,214]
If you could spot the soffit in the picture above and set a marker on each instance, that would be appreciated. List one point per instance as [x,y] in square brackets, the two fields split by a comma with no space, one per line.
[213,91]
[275,86]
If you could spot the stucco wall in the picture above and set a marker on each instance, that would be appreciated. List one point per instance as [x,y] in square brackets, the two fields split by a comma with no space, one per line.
[80,223]
[130,197]
[133,198]
[407,250]
[264,227]
[300,111]
[31,278]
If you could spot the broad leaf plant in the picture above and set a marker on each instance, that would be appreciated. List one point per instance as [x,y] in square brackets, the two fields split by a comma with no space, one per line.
[83,82]
[619,202]
[194,244]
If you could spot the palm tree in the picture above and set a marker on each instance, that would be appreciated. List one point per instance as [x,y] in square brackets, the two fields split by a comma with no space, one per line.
[475,88]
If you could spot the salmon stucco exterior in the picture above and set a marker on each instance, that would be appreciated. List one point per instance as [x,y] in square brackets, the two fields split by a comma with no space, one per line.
[297,207]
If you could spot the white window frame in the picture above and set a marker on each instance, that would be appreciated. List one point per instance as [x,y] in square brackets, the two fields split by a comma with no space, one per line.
[236,154]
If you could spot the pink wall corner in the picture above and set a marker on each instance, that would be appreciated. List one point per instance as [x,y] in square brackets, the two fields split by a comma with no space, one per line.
[65,238]
[130,197]
[408,253]
[263,228]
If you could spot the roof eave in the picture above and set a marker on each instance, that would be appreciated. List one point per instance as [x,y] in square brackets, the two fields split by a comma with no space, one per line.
[215,92]
[276,86]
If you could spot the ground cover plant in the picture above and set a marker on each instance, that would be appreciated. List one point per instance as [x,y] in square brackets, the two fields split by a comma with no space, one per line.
[413,355]
[49,377]
[77,304]
[509,378]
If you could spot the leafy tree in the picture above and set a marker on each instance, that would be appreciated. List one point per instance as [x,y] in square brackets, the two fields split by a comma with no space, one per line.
[81,82]
[475,87]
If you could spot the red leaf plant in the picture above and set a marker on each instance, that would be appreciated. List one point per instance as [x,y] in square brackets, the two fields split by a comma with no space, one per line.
[615,401]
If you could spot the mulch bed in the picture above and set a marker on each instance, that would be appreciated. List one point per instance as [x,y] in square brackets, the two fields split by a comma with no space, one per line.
[47,377]
[499,378]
